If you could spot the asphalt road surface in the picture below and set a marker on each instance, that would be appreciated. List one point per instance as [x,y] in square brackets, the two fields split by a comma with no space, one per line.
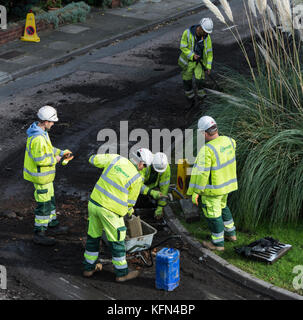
[137,81]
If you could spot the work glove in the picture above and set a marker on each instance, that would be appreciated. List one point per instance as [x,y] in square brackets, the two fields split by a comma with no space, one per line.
[158,213]
[156,194]
[195,198]
[66,151]
[67,156]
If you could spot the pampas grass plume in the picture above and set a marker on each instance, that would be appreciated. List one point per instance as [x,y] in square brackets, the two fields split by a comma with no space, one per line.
[271,16]
[261,5]
[252,7]
[227,10]
[214,10]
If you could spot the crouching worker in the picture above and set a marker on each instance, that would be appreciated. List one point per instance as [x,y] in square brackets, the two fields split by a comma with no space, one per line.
[157,181]
[39,168]
[113,196]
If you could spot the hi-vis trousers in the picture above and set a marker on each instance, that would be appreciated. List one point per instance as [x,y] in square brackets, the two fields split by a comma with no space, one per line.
[102,219]
[219,218]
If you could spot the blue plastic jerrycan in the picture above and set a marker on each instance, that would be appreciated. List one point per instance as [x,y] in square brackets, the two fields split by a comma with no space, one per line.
[167,269]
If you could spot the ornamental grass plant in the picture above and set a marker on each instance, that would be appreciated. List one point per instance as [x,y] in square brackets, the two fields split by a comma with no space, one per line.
[263,112]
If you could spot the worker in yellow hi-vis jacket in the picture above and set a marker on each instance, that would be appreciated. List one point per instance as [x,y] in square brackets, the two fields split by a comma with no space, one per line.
[156,181]
[196,57]
[213,177]
[40,167]
[113,197]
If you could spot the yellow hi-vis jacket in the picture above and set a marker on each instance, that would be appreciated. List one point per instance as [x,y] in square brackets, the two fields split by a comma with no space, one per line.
[118,186]
[187,47]
[214,172]
[40,156]
[153,179]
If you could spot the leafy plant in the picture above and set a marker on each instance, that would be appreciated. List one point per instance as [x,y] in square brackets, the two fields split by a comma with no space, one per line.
[264,113]
[53,4]
[71,13]
[127,2]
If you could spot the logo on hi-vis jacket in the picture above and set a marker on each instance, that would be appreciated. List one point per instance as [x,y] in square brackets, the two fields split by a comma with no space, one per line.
[119,169]
[223,149]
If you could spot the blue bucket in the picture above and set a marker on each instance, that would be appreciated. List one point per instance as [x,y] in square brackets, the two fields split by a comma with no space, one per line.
[167,269]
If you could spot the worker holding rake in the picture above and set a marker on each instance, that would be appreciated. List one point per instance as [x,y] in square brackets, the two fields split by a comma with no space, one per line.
[196,58]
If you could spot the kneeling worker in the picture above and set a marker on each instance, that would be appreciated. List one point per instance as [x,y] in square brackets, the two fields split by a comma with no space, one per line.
[157,181]
[113,196]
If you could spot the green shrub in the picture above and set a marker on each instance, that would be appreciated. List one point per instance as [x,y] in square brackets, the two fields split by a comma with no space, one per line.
[264,113]
[71,13]
[127,2]
[97,3]
[18,9]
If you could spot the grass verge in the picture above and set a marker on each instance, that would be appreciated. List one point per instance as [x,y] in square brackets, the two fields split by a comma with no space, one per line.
[280,273]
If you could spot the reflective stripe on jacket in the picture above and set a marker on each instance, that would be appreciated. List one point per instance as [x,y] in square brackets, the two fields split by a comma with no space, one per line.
[187,46]
[119,185]
[214,171]
[40,161]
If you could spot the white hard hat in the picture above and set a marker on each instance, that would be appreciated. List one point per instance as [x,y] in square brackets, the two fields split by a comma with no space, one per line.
[207,25]
[47,113]
[160,162]
[205,123]
[145,156]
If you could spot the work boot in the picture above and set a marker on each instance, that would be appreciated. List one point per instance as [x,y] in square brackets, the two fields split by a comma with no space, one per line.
[57,230]
[231,238]
[210,246]
[131,275]
[42,239]
[89,273]
[201,95]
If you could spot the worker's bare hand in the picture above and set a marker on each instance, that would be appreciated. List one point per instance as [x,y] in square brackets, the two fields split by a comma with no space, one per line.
[208,71]
[196,57]
[58,158]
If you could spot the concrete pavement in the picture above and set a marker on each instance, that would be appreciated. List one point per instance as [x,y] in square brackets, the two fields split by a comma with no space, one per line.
[102,27]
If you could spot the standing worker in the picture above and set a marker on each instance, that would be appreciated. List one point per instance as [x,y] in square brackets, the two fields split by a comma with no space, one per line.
[157,181]
[40,167]
[196,57]
[213,177]
[113,196]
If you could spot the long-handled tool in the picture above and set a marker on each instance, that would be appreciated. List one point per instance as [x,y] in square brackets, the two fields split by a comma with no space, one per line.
[210,76]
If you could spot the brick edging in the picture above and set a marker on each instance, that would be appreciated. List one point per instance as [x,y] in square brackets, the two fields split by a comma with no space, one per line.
[18,31]
[115,3]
